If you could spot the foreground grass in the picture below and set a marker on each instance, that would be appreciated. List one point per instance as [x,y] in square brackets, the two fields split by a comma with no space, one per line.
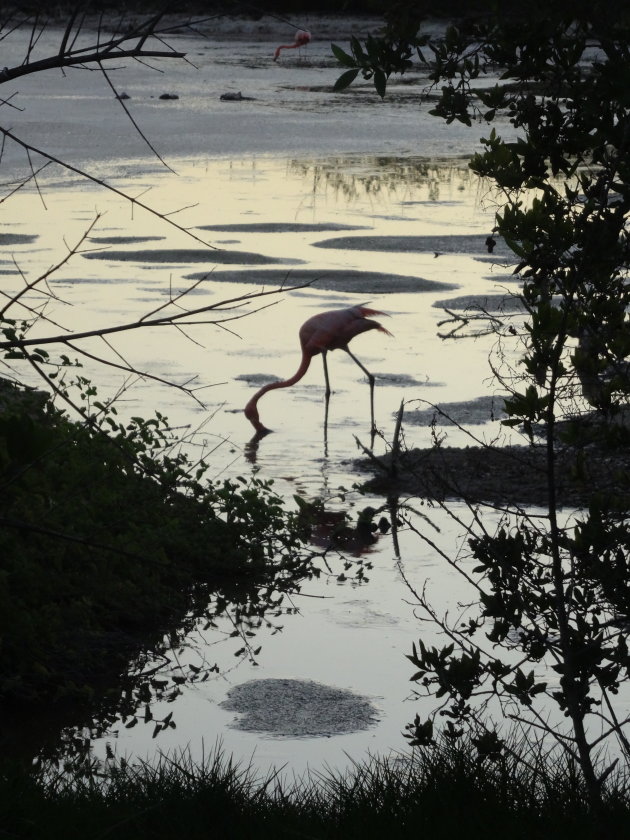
[443,793]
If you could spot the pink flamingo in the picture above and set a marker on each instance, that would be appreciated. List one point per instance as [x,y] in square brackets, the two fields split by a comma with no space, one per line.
[302,38]
[326,331]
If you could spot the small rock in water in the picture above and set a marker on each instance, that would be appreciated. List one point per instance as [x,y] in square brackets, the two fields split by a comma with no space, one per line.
[234,97]
[169,96]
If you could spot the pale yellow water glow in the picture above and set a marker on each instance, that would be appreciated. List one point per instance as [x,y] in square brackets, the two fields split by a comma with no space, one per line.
[296,156]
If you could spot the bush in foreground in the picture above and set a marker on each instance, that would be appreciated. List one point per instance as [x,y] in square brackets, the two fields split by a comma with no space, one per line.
[111,537]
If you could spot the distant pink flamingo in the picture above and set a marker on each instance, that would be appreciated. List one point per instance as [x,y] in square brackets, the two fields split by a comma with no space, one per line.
[302,38]
[326,331]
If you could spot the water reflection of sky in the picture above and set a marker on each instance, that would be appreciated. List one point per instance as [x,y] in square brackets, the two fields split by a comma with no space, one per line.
[344,635]
[266,177]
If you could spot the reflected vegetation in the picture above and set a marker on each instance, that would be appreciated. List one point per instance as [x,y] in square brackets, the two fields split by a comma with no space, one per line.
[333,531]
[224,628]
[356,177]
[218,634]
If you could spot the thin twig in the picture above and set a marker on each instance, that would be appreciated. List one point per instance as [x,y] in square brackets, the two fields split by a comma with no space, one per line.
[28,147]
[132,120]
[167,320]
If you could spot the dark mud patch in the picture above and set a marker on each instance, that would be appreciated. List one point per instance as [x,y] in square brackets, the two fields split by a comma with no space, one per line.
[403,379]
[298,708]
[364,282]
[431,203]
[412,79]
[17,238]
[491,258]
[189,255]
[126,282]
[482,303]
[123,240]
[509,475]
[282,227]
[257,378]
[503,279]
[468,412]
[464,244]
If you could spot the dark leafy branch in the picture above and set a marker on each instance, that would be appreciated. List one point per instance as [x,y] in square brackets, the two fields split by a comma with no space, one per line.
[553,590]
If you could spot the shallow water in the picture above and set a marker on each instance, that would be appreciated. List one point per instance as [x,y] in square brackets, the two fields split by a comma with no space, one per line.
[345,636]
[290,192]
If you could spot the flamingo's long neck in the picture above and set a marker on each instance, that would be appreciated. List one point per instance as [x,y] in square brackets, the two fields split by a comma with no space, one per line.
[285,47]
[251,409]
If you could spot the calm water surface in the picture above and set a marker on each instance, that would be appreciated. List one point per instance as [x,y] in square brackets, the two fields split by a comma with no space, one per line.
[403,229]
[343,635]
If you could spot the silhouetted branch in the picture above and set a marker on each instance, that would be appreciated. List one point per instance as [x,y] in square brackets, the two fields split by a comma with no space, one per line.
[166,320]
[69,55]
[473,315]
[29,286]
[16,342]
[28,147]
[129,40]
[132,120]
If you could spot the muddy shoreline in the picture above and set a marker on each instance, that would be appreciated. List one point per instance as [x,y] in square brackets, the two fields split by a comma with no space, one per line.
[514,475]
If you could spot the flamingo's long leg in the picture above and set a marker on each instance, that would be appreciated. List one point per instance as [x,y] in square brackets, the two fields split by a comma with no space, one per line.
[326,379]
[370,377]
[327,394]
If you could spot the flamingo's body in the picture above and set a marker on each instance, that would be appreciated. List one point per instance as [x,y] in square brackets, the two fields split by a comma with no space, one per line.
[302,38]
[326,331]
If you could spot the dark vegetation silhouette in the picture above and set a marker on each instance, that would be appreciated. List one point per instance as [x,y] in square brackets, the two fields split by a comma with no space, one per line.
[548,640]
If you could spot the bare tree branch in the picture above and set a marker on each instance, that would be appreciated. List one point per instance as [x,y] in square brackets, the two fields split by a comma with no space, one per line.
[28,147]
[131,118]
[16,298]
[166,320]
[73,56]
